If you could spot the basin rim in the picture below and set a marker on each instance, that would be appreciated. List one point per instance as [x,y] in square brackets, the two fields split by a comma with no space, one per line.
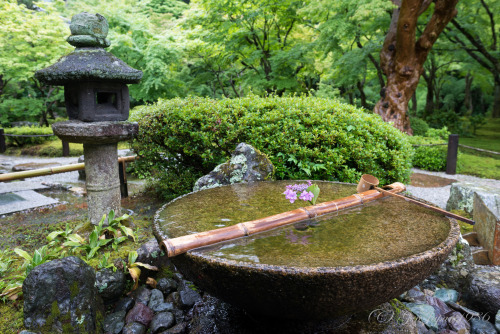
[444,247]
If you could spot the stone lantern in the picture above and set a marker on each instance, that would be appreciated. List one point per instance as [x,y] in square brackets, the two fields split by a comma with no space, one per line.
[97,101]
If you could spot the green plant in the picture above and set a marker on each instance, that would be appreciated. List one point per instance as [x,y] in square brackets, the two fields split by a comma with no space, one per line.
[5,261]
[304,137]
[134,270]
[100,236]
[41,255]
[419,126]
[104,262]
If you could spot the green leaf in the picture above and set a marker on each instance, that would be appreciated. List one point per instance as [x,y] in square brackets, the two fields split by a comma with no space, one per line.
[23,254]
[128,231]
[132,256]
[54,235]
[92,252]
[37,258]
[111,216]
[93,237]
[315,190]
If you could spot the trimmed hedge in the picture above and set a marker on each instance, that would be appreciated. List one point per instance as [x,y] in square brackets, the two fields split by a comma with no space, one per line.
[28,130]
[180,140]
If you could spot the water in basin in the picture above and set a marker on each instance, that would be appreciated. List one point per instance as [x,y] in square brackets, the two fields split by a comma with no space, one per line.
[383,230]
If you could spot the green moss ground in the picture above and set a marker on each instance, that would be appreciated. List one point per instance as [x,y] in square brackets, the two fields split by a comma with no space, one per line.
[29,230]
[52,148]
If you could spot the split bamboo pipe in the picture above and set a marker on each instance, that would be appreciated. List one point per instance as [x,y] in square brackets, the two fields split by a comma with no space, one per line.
[51,170]
[185,243]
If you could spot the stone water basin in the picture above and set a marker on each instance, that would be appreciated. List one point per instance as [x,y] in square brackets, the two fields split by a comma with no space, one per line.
[326,267]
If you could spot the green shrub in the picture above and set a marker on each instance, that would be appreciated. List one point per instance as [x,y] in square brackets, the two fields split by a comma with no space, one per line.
[430,157]
[419,126]
[28,130]
[180,140]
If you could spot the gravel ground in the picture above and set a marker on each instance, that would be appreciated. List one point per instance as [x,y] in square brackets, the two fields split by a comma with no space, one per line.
[440,195]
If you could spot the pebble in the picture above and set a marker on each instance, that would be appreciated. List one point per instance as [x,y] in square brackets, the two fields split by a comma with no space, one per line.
[162,321]
[140,313]
[497,321]
[134,328]
[155,299]
[114,322]
[447,295]
[142,294]
[458,323]
[425,313]
[166,285]
[124,304]
[188,297]
[479,326]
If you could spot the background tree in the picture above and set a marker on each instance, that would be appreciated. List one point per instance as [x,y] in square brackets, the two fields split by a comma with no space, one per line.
[403,54]
[264,43]
[29,40]
[475,31]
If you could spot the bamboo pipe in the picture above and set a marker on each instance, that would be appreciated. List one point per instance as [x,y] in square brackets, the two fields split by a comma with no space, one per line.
[51,170]
[371,182]
[185,243]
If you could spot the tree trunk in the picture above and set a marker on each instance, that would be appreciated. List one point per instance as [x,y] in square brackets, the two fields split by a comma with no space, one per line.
[468,97]
[414,103]
[362,95]
[402,57]
[496,102]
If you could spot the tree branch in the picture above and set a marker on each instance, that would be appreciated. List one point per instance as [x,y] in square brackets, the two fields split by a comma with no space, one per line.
[444,12]
[477,43]
[492,25]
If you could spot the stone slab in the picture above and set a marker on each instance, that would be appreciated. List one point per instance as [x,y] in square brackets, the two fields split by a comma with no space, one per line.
[487,217]
[12,187]
[462,195]
[23,200]
[95,133]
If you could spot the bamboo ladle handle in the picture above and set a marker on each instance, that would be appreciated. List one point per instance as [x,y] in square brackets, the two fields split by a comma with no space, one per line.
[371,182]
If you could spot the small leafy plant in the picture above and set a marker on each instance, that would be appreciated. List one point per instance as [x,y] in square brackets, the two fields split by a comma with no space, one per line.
[134,270]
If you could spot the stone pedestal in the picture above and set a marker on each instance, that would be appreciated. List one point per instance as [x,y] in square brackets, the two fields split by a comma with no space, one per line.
[99,141]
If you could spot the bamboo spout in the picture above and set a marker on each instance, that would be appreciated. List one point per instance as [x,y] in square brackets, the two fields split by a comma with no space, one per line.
[185,243]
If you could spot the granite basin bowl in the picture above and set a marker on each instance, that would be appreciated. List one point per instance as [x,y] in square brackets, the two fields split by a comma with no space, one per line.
[319,269]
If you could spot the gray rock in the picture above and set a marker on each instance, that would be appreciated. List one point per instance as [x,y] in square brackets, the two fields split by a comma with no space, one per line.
[26,332]
[114,322]
[425,313]
[142,294]
[166,285]
[150,253]
[497,321]
[156,299]
[163,307]
[177,329]
[458,323]
[414,295]
[487,215]
[134,328]
[62,291]
[479,326]
[140,313]
[110,284]
[455,270]
[421,329]
[179,315]
[439,305]
[447,295]
[124,304]
[162,321]
[464,310]
[247,164]
[462,196]
[175,299]
[188,297]
[484,292]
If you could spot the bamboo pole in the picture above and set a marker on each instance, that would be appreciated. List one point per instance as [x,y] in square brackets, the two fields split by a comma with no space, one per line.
[185,243]
[430,207]
[51,170]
